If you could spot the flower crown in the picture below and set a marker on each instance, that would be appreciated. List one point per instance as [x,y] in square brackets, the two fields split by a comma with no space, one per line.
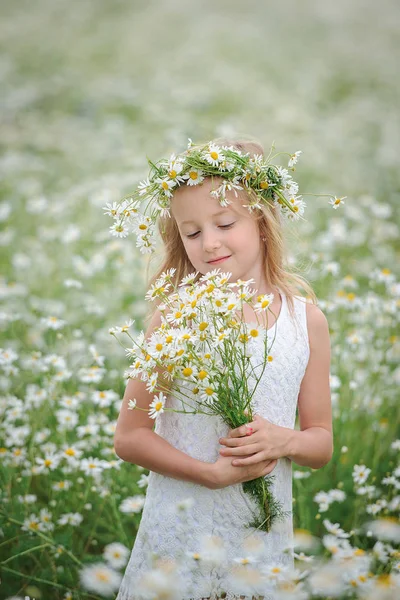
[270,183]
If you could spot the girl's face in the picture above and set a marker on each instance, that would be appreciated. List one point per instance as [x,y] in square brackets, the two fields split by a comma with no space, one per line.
[216,236]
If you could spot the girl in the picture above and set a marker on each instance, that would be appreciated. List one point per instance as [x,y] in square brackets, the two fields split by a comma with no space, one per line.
[195,509]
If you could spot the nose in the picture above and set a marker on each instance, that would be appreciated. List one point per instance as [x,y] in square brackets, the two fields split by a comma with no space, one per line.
[211,241]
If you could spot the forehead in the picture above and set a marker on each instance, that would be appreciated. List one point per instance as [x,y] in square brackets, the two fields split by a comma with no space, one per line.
[191,203]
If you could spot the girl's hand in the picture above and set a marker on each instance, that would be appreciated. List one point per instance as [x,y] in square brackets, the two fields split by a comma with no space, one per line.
[222,473]
[255,442]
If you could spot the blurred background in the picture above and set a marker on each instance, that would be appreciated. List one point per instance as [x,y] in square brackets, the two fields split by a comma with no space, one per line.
[89,90]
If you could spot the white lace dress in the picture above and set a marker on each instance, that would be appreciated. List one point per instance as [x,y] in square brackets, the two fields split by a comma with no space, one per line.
[204,539]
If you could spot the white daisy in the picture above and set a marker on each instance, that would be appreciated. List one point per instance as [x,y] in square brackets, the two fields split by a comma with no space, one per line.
[166,185]
[144,187]
[141,225]
[208,395]
[336,202]
[116,555]
[194,176]
[133,504]
[145,244]
[214,155]
[360,474]
[157,406]
[335,529]
[263,302]
[119,230]
[101,579]
[294,158]
[189,279]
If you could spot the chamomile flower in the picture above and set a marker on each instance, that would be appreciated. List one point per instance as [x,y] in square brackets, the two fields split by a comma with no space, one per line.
[133,504]
[152,382]
[166,185]
[213,155]
[141,225]
[32,524]
[208,395]
[144,187]
[157,406]
[194,176]
[53,323]
[116,555]
[264,301]
[360,474]
[100,579]
[48,463]
[294,158]
[296,209]
[336,202]
[119,229]
[189,279]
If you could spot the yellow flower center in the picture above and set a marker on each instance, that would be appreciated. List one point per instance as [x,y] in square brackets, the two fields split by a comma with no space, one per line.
[172,174]
[269,358]
[265,303]
[193,175]
[210,288]
[202,374]
[254,333]
[187,371]
[178,314]
[70,452]
[264,185]
[159,347]
[386,271]
[209,391]
[158,406]
[47,462]
[214,155]
[164,185]
[169,339]
[143,226]
[203,326]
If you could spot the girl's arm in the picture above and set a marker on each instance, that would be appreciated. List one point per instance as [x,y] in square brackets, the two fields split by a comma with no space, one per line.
[312,446]
[137,443]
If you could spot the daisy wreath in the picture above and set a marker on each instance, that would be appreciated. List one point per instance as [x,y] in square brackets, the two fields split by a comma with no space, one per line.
[264,182]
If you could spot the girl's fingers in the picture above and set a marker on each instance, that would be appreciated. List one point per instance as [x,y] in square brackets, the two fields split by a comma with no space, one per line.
[237,441]
[240,450]
[246,429]
[270,467]
[250,460]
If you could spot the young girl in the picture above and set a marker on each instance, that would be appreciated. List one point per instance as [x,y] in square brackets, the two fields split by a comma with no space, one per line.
[195,507]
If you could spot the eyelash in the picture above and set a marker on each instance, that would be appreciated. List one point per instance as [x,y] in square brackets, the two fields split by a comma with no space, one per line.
[193,235]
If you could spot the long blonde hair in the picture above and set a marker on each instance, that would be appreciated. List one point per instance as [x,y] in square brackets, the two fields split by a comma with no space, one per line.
[274,250]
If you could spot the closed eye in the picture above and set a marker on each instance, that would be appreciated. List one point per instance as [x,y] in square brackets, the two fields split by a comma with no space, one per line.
[228,226]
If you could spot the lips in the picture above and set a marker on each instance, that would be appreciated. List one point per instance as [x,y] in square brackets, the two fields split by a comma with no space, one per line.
[218,260]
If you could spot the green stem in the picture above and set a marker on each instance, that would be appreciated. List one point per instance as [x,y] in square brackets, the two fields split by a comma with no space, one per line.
[4,562]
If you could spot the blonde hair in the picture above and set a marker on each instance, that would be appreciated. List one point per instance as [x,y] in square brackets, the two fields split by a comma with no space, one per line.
[270,227]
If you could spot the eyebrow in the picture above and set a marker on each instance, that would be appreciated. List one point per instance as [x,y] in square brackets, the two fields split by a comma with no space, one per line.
[221,212]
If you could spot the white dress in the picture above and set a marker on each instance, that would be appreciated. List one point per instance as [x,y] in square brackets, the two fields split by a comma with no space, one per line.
[181,535]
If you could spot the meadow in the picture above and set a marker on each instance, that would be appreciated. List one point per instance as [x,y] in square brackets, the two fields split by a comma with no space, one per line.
[89,90]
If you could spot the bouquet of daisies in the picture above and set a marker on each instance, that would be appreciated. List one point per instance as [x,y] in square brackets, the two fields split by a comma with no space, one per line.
[203,346]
